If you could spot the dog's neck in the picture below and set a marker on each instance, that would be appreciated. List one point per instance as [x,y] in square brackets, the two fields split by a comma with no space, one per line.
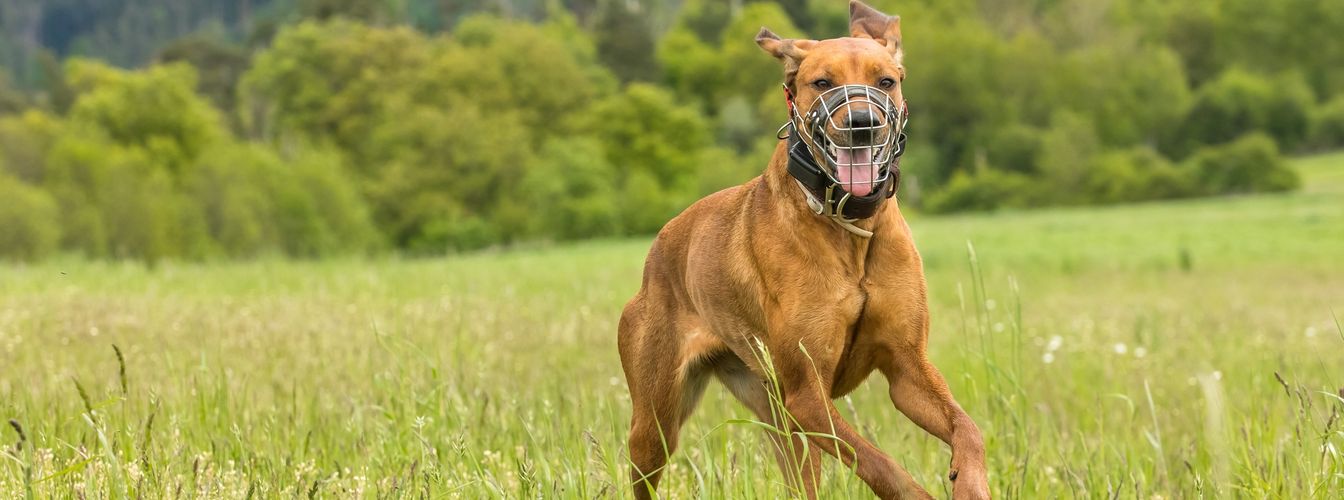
[783,186]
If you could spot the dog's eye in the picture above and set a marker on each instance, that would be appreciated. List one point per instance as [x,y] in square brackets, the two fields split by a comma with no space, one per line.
[886,83]
[822,84]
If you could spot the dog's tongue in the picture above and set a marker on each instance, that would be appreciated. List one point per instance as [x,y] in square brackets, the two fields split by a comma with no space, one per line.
[855,170]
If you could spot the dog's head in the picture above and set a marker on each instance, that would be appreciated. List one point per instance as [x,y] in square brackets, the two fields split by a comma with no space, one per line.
[853,85]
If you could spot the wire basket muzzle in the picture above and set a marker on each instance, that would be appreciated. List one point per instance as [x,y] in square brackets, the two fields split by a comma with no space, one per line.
[855,126]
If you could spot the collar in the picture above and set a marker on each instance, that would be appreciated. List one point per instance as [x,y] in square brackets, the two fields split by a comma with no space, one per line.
[829,199]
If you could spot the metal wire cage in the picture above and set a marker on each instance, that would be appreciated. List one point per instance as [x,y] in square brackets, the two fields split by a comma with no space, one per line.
[854,127]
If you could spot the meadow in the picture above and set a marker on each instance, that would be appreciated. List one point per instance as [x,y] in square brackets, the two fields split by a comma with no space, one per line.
[1164,350]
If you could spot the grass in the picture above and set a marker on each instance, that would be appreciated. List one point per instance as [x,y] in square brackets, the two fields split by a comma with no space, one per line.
[1160,350]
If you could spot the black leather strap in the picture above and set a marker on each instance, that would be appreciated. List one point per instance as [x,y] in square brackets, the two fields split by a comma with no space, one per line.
[803,166]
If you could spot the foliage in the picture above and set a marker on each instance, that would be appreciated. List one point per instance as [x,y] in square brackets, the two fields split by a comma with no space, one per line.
[11,99]
[651,141]
[570,192]
[1239,102]
[313,127]
[986,189]
[255,202]
[625,41]
[28,221]
[24,141]
[156,110]
[218,64]
[1327,125]
[1246,165]
[118,201]
[324,81]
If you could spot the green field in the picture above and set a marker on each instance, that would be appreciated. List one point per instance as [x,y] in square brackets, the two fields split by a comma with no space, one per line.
[1164,350]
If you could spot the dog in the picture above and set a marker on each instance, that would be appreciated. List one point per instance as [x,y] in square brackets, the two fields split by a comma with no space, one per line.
[800,282]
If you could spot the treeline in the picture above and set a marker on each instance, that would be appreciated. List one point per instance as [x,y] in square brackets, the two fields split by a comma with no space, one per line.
[356,126]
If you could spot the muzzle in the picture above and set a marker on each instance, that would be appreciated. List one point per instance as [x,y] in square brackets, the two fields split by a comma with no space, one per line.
[845,152]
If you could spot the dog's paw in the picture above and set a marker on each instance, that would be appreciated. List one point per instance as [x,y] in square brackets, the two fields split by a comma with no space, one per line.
[969,485]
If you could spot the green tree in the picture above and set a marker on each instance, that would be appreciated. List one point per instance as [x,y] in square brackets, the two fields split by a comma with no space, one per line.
[156,110]
[1067,149]
[219,65]
[12,100]
[1132,94]
[570,191]
[256,202]
[1327,124]
[653,142]
[24,143]
[625,41]
[327,82]
[1239,102]
[372,11]
[117,201]
[28,222]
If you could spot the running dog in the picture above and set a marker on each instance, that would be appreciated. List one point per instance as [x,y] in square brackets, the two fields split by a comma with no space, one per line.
[804,281]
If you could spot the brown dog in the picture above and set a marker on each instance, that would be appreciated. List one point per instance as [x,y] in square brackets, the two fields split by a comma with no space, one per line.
[753,269]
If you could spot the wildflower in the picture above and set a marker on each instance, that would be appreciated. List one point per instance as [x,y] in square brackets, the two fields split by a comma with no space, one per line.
[1048,357]
[1121,348]
[1054,344]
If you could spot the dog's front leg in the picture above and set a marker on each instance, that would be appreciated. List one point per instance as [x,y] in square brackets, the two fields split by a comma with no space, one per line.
[806,385]
[919,391]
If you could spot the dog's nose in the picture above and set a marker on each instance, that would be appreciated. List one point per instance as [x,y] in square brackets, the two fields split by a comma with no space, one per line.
[860,118]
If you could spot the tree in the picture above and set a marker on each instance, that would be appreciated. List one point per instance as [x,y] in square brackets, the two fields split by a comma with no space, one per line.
[328,81]
[570,191]
[653,142]
[219,66]
[28,224]
[156,110]
[1239,102]
[625,41]
[12,100]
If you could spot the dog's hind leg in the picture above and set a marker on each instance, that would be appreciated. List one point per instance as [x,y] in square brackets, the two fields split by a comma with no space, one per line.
[800,463]
[664,389]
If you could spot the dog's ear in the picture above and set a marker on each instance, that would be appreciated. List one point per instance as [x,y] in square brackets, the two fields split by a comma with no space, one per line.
[867,22]
[791,52]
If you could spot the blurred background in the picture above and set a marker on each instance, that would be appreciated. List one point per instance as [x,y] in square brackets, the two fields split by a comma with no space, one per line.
[206,129]
[204,206]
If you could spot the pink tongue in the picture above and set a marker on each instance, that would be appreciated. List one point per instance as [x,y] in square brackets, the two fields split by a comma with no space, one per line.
[854,169]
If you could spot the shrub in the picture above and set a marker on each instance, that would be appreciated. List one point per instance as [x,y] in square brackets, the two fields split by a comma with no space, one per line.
[1238,103]
[1249,164]
[1015,148]
[118,202]
[1327,125]
[1136,174]
[570,189]
[1067,150]
[986,189]
[453,231]
[157,109]
[24,141]
[29,227]
[255,202]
